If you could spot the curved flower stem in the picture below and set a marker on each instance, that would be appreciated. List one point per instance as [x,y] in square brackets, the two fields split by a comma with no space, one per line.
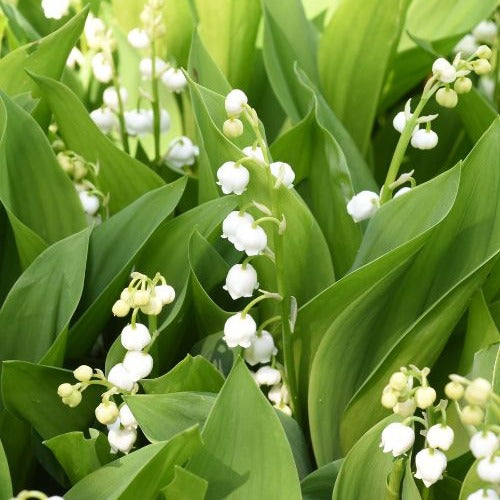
[153,328]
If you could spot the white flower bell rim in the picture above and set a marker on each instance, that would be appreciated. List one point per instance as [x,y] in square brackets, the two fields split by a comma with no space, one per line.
[233,222]
[251,239]
[181,151]
[135,337]
[241,281]
[110,97]
[235,102]
[139,39]
[440,436]
[174,79]
[483,444]
[397,439]
[105,119]
[122,439]
[120,377]
[55,9]
[138,364]
[239,330]
[261,350]
[363,205]
[430,465]
[233,177]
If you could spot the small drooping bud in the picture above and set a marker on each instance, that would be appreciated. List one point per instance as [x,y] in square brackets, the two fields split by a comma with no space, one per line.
[483,444]
[405,408]
[363,205]
[174,80]
[153,307]
[73,400]
[430,465]
[447,98]
[146,67]
[397,439]
[444,71]
[106,412]
[251,239]
[389,399]
[399,121]
[181,151]
[65,390]
[120,308]
[83,373]
[135,338]
[478,391]
[235,102]
[483,52]
[140,298]
[233,177]
[232,128]
[283,172]
[241,281]
[398,381]
[454,390]
[472,415]
[425,397]
[261,350]
[481,66]
[462,85]
[254,152]
[139,39]
[139,122]
[239,330]
[440,436]
[165,293]
[266,375]
[138,364]
[467,46]
[424,139]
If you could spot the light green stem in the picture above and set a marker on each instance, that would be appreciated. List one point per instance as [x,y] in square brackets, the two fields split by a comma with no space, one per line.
[395,479]
[155,103]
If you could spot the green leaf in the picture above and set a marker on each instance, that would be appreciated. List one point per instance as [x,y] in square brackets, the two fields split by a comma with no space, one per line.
[161,416]
[228,29]
[319,484]
[471,483]
[124,178]
[29,392]
[191,374]
[286,44]
[80,456]
[353,63]
[55,278]
[5,482]
[185,486]
[242,430]
[141,474]
[37,218]
[113,247]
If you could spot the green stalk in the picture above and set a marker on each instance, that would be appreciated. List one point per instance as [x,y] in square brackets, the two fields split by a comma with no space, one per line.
[155,103]
[395,479]
[121,109]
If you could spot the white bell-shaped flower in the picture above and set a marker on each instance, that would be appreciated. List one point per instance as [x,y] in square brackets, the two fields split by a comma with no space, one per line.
[430,465]
[182,151]
[232,222]
[241,281]
[90,202]
[139,122]
[401,192]
[122,439]
[397,439]
[106,413]
[466,46]
[444,70]
[235,102]
[102,68]
[399,121]
[484,494]
[485,32]
[424,139]
[283,172]
[105,119]
[139,39]
[165,293]
[261,350]
[55,9]
[174,80]
[363,205]
[153,307]
[233,178]
[405,408]
[440,436]
[267,375]
[75,57]
[483,444]
[110,97]
[488,469]
[146,67]
[120,377]
[250,239]
[255,153]
[138,364]
[279,394]
[135,338]
[164,120]
[127,418]
[239,330]
[95,31]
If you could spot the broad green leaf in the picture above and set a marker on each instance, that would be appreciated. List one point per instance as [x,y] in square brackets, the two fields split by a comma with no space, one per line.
[25,172]
[327,188]
[5,483]
[353,63]
[191,374]
[113,247]
[124,178]
[471,483]
[409,489]
[29,392]
[287,44]
[185,486]
[228,29]
[320,483]
[10,268]
[79,455]
[243,435]
[141,474]
[161,416]
[38,309]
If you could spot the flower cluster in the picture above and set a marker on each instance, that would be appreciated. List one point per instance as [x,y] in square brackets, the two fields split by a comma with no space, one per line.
[408,389]
[247,235]
[147,296]
[365,204]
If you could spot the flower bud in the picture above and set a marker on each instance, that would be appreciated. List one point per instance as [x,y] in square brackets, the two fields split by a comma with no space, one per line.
[141,298]
[95,32]
[232,223]
[399,121]
[472,415]
[401,192]
[478,391]
[397,438]
[153,307]
[106,412]
[483,494]
[65,390]
[389,399]
[430,465]
[120,308]
[104,119]
[135,338]
[284,408]
[79,169]
[467,46]
[447,98]
[139,122]
[174,80]
[146,67]
[120,377]
[425,397]
[241,281]
[454,390]
[83,373]
[363,205]
[481,66]
[488,469]
[65,162]
[483,444]
[232,128]
[462,85]
[165,293]
[127,418]
[233,178]
[261,350]
[110,97]
[239,330]
[55,9]
[266,375]
[440,436]
[139,39]
[138,364]
[424,139]
[255,153]
[483,52]
[398,381]
[90,202]
[122,439]
[279,394]
[250,239]
[283,172]
[127,296]
[406,408]
[443,70]
[102,68]
[485,32]
[73,400]
[181,152]
[235,102]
